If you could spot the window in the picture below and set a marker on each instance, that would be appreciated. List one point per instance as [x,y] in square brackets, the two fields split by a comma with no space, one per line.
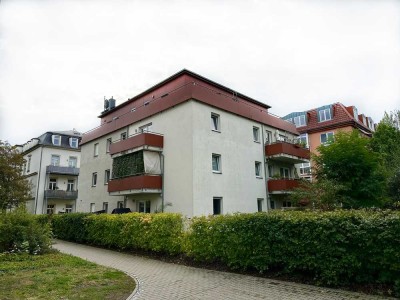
[72,161]
[300,120]
[96,149]
[305,169]
[50,209]
[56,139]
[120,204]
[282,138]
[145,128]
[268,137]
[105,206]
[55,160]
[123,136]
[256,134]
[260,204]
[73,142]
[303,138]
[94,179]
[108,144]
[324,114]
[217,205]
[144,206]
[326,137]
[284,172]
[106,176]
[355,113]
[53,184]
[272,204]
[287,204]
[215,124]
[68,208]
[216,163]
[29,163]
[70,185]
[257,165]
[92,207]
[270,171]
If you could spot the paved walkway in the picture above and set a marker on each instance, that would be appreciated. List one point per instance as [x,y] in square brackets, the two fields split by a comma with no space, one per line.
[159,280]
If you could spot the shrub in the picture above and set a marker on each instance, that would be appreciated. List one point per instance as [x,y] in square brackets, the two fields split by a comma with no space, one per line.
[71,227]
[21,232]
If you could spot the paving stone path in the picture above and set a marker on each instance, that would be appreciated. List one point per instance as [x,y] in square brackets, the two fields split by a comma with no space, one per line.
[159,280]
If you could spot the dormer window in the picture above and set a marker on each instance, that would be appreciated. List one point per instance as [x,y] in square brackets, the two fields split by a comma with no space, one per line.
[73,142]
[355,113]
[324,114]
[300,120]
[56,139]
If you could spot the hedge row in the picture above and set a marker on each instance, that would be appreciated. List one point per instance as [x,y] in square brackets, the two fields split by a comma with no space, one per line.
[336,248]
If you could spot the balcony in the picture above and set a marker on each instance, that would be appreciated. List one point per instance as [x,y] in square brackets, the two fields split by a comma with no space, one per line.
[144,140]
[282,186]
[62,170]
[59,194]
[135,185]
[287,152]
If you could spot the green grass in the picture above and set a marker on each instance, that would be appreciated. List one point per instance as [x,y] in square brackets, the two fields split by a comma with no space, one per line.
[59,276]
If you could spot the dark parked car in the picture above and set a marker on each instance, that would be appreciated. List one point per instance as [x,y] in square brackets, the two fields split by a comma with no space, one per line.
[121,210]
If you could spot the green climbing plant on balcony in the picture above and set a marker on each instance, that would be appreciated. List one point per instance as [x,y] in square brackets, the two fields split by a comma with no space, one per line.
[128,165]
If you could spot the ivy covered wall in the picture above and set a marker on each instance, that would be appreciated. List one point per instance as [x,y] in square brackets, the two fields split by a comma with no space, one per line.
[128,165]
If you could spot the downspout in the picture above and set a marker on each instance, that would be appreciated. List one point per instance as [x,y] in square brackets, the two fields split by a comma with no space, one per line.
[38,181]
[45,197]
[162,181]
[265,166]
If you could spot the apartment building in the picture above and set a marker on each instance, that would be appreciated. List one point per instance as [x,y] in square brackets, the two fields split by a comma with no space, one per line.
[52,168]
[318,125]
[188,145]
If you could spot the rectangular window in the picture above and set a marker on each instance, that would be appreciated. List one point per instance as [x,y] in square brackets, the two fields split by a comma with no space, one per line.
[53,184]
[216,163]
[217,205]
[324,114]
[120,204]
[56,139]
[92,207]
[145,128]
[55,160]
[260,204]
[303,139]
[272,204]
[96,149]
[215,124]
[256,134]
[257,165]
[50,209]
[68,208]
[270,171]
[29,163]
[72,161]
[284,172]
[73,142]
[105,206]
[287,204]
[300,120]
[123,136]
[108,144]
[268,137]
[106,176]
[70,185]
[144,206]
[305,169]
[94,179]
[355,113]
[282,138]
[326,137]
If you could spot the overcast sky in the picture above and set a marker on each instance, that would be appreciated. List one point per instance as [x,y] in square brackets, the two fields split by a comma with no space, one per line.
[58,59]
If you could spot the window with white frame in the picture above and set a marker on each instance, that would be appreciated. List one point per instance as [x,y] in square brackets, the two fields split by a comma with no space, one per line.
[268,137]
[355,113]
[105,206]
[123,136]
[270,171]
[300,120]
[94,179]
[108,144]
[326,137]
[260,204]
[144,206]
[324,114]
[56,139]
[305,169]
[272,204]
[216,163]
[52,184]
[92,207]
[70,185]
[68,208]
[217,205]
[106,176]
[282,138]
[120,204]
[257,166]
[303,138]
[73,142]
[256,134]
[72,161]
[55,160]
[284,173]
[96,149]
[50,209]
[215,122]
[146,128]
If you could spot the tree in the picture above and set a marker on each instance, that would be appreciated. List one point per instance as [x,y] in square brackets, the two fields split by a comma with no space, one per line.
[14,188]
[349,161]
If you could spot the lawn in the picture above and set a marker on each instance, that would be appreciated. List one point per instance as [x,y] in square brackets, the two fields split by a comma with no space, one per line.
[59,276]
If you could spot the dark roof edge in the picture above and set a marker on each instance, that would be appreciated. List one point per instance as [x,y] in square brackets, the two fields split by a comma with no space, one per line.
[176,75]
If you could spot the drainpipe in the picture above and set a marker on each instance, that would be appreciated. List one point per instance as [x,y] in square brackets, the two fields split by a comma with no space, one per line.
[162,181]
[265,166]
[38,181]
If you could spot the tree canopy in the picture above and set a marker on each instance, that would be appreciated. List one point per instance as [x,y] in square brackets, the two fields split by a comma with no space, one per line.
[14,188]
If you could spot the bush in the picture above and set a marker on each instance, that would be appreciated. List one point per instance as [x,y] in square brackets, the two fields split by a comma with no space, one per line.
[22,232]
[71,227]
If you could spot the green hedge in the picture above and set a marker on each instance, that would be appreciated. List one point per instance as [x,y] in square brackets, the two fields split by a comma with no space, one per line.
[70,227]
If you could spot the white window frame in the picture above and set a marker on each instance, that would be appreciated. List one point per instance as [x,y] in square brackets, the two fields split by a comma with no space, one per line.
[303,167]
[50,209]
[144,206]
[56,139]
[282,170]
[52,184]
[107,175]
[70,160]
[217,158]
[324,114]
[120,204]
[92,207]
[215,122]
[94,179]
[124,135]
[68,208]
[256,134]
[300,120]
[220,204]
[70,185]
[258,169]
[270,171]
[146,128]
[73,142]
[108,144]
[327,137]
[53,161]
[268,137]
[96,150]
[260,204]
[303,136]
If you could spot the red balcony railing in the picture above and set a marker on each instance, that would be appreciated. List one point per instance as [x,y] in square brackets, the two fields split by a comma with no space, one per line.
[282,185]
[138,140]
[289,149]
[141,182]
